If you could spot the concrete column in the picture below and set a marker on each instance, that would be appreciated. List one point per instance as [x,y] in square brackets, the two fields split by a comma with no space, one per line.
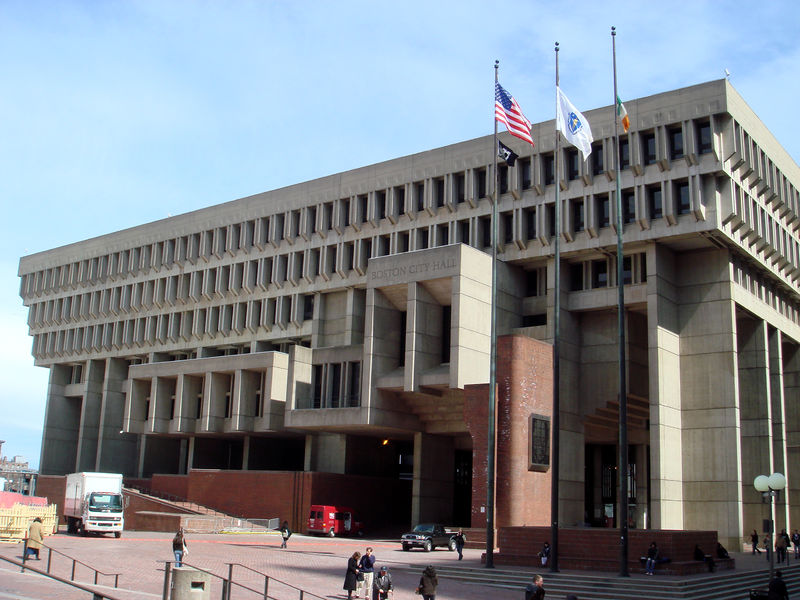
[712,475]
[116,452]
[61,425]
[246,453]
[90,415]
[184,456]
[190,454]
[470,331]
[432,489]
[326,452]
[755,410]
[791,396]
[778,431]
[424,334]
[666,451]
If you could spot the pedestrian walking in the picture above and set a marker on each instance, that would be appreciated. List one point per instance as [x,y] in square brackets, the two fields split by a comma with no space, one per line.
[796,542]
[767,545]
[535,590]
[366,566]
[428,583]
[351,575]
[460,539]
[754,542]
[780,548]
[286,533]
[35,539]
[382,588]
[777,588]
[179,548]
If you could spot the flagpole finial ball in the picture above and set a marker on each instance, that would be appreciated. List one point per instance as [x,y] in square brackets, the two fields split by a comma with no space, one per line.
[613,30]
[556,46]
[496,63]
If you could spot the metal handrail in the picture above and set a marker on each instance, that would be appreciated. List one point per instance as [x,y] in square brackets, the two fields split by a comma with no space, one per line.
[75,562]
[228,583]
[95,594]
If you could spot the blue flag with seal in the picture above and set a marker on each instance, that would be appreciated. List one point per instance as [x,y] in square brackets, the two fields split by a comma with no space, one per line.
[573,125]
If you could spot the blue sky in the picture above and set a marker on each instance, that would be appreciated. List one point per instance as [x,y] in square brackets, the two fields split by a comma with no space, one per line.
[114,114]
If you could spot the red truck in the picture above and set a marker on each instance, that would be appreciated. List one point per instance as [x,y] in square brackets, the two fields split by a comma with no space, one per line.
[333,520]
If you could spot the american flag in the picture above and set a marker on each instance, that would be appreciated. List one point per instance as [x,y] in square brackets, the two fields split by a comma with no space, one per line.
[506,110]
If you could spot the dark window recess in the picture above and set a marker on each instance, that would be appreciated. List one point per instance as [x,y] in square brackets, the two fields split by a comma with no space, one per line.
[402,342]
[367,249]
[683,206]
[423,239]
[603,215]
[704,141]
[627,270]
[675,143]
[463,232]
[362,208]
[530,223]
[573,164]
[308,307]
[551,220]
[336,383]
[446,314]
[599,274]
[649,148]
[380,204]
[480,183]
[624,153]
[628,206]
[402,242]
[548,169]
[419,192]
[532,283]
[502,174]
[346,213]
[400,198]
[316,384]
[525,172]
[534,320]
[654,201]
[577,216]
[460,184]
[508,228]
[539,446]
[576,277]
[439,191]
[597,159]
[643,267]
[486,231]
[354,385]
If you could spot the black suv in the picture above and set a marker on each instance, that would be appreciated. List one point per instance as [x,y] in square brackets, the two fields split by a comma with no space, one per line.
[427,536]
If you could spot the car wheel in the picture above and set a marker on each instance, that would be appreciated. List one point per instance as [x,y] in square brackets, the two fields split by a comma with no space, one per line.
[428,546]
[406,547]
[451,545]
[117,534]
[82,530]
[330,533]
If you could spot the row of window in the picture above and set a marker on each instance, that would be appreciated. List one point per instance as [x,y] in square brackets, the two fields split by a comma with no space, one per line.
[783,302]
[417,197]
[226,319]
[602,272]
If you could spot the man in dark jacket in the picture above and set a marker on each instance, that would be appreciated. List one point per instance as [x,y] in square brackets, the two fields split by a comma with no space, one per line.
[777,588]
[382,587]
[535,590]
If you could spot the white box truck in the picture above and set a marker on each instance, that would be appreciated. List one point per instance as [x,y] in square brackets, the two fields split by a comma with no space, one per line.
[94,503]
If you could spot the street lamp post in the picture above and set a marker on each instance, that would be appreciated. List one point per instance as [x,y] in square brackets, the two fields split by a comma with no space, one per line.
[770,488]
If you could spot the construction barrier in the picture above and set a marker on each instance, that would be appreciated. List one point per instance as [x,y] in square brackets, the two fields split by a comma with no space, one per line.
[14,521]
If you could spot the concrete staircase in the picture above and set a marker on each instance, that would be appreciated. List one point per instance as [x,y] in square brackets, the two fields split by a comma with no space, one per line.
[728,585]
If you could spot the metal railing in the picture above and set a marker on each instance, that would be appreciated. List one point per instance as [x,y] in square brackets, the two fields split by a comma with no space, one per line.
[228,583]
[75,563]
[96,595]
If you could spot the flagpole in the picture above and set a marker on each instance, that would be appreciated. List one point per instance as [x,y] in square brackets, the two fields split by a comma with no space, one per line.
[490,454]
[556,367]
[623,396]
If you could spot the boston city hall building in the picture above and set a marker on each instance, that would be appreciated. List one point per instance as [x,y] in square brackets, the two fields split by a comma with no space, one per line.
[330,342]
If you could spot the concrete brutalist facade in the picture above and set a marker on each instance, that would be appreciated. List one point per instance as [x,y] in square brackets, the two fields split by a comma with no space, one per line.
[296,328]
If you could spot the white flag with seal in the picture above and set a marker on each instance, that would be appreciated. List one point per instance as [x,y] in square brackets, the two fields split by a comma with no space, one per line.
[573,125]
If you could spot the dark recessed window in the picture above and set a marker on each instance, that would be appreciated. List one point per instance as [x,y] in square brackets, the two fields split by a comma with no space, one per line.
[654,203]
[532,283]
[573,164]
[530,223]
[502,175]
[627,273]
[603,215]
[682,204]
[508,228]
[576,277]
[539,446]
[599,274]
[486,231]
[675,143]
[419,192]
[628,206]
[423,239]
[597,159]
[439,192]
[577,216]
[525,173]
[534,320]
[624,153]
[649,148]
[551,219]
[548,169]
[380,204]
[480,183]
[460,187]
[704,143]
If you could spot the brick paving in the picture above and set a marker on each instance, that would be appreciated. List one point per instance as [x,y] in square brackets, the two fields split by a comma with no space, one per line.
[314,564]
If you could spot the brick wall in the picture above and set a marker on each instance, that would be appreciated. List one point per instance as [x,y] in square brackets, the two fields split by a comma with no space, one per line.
[524,386]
